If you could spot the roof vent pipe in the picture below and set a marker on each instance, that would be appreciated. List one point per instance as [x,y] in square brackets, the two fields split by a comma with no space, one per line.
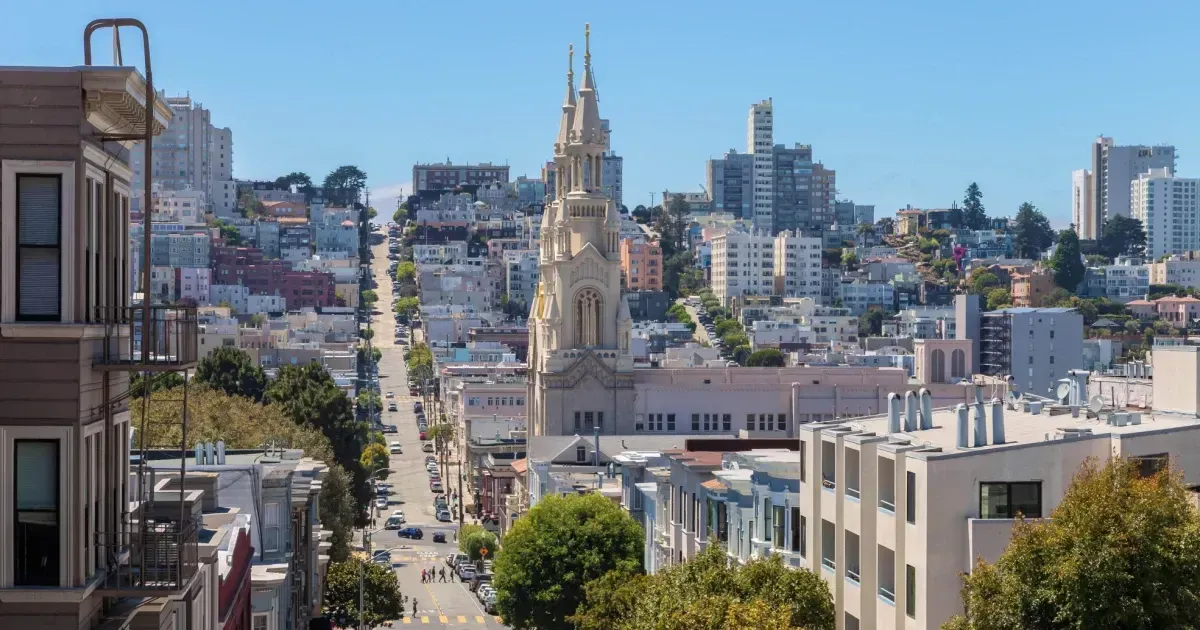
[893,413]
[997,421]
[221,452]
[960,412]
[978,395]
[210,455]
[926,409]
[980,425]
[910,411]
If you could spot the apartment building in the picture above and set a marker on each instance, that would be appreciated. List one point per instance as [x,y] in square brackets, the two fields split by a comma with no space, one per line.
[743,264]
[612,174]
[797,265]
[730,182]
[1180,269]
[521,273]
[1169,211]
[1036,346]
[1083,214]
[760,125]
[1114,170]
[179,206]
[191,154]
[529,191]
[74,521]
[805,191]
[859,295]
[1126,279]
[193,284]
[1033,287]
[447,176]
[641,265]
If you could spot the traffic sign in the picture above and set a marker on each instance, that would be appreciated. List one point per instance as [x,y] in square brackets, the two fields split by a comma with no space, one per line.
[483,551]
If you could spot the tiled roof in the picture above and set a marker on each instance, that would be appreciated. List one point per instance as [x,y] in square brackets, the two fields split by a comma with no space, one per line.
[519,465]
[715,485]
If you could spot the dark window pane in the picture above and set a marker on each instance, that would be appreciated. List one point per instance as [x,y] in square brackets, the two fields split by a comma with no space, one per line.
[1026,499]
[35,535]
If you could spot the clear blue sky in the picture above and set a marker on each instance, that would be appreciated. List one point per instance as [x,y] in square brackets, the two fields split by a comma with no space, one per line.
[908,101]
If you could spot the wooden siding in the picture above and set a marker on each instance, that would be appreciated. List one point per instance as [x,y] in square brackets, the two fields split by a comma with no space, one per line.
[40,381]
[41,113]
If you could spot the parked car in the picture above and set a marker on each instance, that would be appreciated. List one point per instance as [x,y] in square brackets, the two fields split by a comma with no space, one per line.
[417,406]
[427,447]
[398,514]
[436,486]
[454,559]
[439,537]
[444,515]
[422,435]
[430,459]
[381,503]
[391,395]
[395,449]
[414,533]
[392,407]
[382,557]
[466,571]
[393,523]
[481,580]
[489,604]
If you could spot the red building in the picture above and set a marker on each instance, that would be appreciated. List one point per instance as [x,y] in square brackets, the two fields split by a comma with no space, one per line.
[233,604]
[247,267]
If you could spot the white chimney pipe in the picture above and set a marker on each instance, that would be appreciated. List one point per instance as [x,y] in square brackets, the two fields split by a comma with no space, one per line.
[910,411]
[960,413]
[221,452]
[210,455]
[980,425]
[199,453]
[926,409]
[893,413]
[997,421]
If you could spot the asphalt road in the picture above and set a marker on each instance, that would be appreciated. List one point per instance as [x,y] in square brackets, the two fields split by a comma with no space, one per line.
[438,604]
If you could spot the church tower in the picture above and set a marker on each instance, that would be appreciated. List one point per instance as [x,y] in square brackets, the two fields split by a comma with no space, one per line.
[580,368]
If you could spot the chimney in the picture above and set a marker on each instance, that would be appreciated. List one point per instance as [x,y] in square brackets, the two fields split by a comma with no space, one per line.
[210,455]
[980,425]
[997,421]
[199,453]
[893,413]
[221,452]
[596,451]
[910,411]
[960,412]
[926,409]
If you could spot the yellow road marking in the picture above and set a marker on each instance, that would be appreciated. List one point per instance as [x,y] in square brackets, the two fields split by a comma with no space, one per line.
[462,619]
[443,619]
[424,619]
[478,619]
[498,619]
[407,620]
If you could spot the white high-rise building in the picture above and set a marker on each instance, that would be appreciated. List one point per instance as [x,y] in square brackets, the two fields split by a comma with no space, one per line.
[743,264]
[1082,211]
[759,142]
[190,155]
[798,265]
[1169,212]
[1114,169]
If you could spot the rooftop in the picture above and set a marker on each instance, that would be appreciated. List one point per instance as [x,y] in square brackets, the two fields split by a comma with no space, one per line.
[1022,428]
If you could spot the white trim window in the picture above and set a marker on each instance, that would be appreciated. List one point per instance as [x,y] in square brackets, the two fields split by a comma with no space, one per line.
[271,526]
[38,222]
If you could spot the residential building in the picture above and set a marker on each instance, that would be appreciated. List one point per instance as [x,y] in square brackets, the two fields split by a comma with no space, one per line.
[1083,212]
[340,237]
[613,167]
[921,322]
[448,176]
[1114,170]
[731,184]
[1033,287]
[191,155]
[641,265]
[1036,346]
[179,206]
[984,243]
[521,275]
[193,284]
[73,519]
[696,202]
[804,191]
[759,143]
[797,265]
[743,264]
[1169,211]
[860,295]
[1179,269]
[1127,279]
[529,191]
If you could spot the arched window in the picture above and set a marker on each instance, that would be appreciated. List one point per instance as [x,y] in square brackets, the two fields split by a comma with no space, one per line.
[587,318]
[958,364]
[939,367]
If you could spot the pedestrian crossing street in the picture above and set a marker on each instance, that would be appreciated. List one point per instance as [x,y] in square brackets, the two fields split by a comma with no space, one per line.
[447,619]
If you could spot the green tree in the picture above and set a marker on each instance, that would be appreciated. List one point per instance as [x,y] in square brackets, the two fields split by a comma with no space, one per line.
[374,457]
[1067,261]
[465,532]
[406,307]
[164,380]
[250,206]
[401,214]
[1032,234]
[232,371]
[886,225]
[983,281]
[767,357]
[474,544]
[641,214]
[337,511]
[849,258]
[552,552]
[301,181]
[870,323]
[974,216]
[381,593]
[998,298]
[675,268]
[1121,550]
[370,297]
[369,398]
[344,184]
[708,592]
[229,233]
[1122,236]
[366,333]
[672,225]
[406,272]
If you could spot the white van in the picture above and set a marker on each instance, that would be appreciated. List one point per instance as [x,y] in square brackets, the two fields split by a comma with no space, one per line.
[395,449]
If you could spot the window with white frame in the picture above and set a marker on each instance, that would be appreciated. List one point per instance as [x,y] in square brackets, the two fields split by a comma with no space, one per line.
[39,246]
[271,526]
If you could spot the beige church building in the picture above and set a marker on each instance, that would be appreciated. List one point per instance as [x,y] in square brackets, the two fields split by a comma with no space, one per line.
[581,372]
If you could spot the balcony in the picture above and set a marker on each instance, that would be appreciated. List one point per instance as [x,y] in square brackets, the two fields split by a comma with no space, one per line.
[172,338]
[158,560]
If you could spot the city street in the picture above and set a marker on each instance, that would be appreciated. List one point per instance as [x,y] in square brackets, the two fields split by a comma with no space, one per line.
[438,604]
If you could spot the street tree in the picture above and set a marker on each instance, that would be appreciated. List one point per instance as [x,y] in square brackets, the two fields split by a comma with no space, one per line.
[553,551]
[337,511]
[1067,261]
[974,215]
[709,592]
[1032,234]
[998,298]
[767,357]
[982,281]
[163,380]
[1121,550]
[672,225]
[343,185]
[870,323]
[1122,236]
[849,258]
[381,593]
[374,457]
[474,544]
[229,233]
[232,371]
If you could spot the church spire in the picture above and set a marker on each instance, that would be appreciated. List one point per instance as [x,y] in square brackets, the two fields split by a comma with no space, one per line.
[568,115]
[587,112]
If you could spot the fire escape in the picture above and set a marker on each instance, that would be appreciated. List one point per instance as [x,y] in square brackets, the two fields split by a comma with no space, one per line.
[150,548]
[995,344]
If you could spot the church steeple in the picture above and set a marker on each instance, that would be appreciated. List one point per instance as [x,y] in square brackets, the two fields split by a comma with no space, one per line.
[568,107]
[586,129]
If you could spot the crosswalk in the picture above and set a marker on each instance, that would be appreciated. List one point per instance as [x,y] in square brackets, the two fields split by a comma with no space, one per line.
[417,556]
[448,619]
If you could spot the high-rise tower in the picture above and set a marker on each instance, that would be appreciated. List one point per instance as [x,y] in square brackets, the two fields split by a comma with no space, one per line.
[581,371]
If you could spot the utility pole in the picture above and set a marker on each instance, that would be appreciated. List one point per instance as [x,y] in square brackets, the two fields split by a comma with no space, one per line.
[651,200]
[462,501]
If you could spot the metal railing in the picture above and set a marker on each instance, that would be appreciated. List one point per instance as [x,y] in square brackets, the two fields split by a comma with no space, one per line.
[887,595]
[155,557]
[171,342]
[888,506]
[852,492]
